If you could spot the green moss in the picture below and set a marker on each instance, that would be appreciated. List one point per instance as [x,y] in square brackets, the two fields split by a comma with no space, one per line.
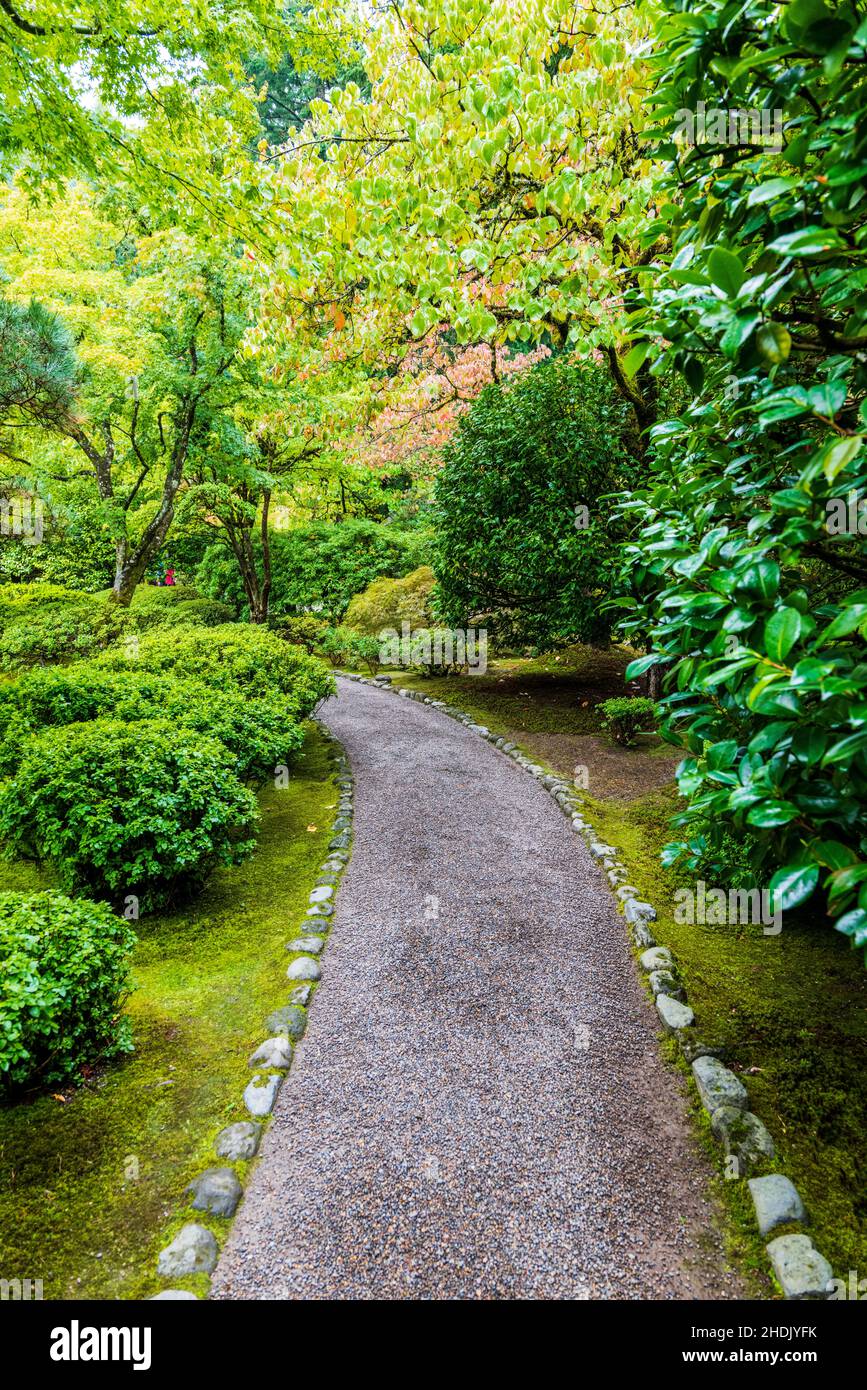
[546,695]
[791,1010]
[92,1181]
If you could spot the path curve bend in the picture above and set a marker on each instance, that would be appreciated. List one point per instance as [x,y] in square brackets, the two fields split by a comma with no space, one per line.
[479,1108]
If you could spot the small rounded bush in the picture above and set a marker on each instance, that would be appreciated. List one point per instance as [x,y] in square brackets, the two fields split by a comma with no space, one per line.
[627,716]
[63,981]
[305,629]
[175,605]
[118,810]
[234,656]
[260,732]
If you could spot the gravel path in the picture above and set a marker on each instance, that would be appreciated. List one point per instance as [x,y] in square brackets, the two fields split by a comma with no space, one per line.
[478,1109]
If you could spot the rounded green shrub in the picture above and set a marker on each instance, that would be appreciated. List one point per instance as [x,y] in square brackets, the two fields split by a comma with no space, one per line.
[118,810]
[234,656]
[627,716]
[260,732]
[305,630]
[175,605]
[63,980]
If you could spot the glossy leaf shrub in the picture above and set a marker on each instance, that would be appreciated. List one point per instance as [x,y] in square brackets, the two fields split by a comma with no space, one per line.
[754,597]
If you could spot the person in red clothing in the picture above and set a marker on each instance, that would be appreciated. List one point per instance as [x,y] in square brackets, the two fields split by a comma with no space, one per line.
[170,575]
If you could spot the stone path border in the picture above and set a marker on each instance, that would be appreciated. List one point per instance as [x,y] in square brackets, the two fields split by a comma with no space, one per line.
[217,1191]
[801,1271]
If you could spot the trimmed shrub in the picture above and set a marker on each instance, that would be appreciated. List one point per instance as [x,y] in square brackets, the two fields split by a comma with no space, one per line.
[173,605]
[46,623]
[260,732]
[146,809]
[625,716]
[305,630]
[63,980]
[248,660]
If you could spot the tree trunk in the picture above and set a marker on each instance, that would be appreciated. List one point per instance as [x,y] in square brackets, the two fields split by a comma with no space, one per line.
[130,570]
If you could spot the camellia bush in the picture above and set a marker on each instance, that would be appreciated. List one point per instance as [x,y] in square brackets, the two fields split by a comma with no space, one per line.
[524,535]
[118,810]
[63,981]
[748,566]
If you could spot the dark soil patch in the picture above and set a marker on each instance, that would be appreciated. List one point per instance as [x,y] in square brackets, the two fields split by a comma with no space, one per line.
[611,773]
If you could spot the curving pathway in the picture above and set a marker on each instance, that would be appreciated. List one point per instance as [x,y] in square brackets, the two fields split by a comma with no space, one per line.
[479,1109]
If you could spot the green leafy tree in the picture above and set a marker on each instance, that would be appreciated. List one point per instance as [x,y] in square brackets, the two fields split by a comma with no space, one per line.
[143,91]
[159,320]
[525,528]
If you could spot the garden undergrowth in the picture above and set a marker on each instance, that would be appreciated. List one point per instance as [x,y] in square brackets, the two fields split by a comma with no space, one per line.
[92,1178]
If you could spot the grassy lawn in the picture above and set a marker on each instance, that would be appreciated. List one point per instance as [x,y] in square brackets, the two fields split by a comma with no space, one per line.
[92,1180]
[791,1010]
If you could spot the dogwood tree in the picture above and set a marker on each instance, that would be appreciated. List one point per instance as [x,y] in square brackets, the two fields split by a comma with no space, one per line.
[493,179]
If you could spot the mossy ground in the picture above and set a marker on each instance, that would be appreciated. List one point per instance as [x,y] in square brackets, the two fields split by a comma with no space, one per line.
[791,1010]
[92,1179]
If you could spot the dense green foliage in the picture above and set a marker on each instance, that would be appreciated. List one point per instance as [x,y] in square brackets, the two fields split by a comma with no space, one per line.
[320,566]
[389,603]
[260,732]
[512,541]
[625,717]
[305,630]
[756,604]
[127,811]
[343,646]
[251,661]
[45,623]
[37,364]
[53,624]
[63,980]
[174,606]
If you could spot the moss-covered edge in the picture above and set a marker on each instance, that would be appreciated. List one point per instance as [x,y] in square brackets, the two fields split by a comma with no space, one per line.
[199,1284]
